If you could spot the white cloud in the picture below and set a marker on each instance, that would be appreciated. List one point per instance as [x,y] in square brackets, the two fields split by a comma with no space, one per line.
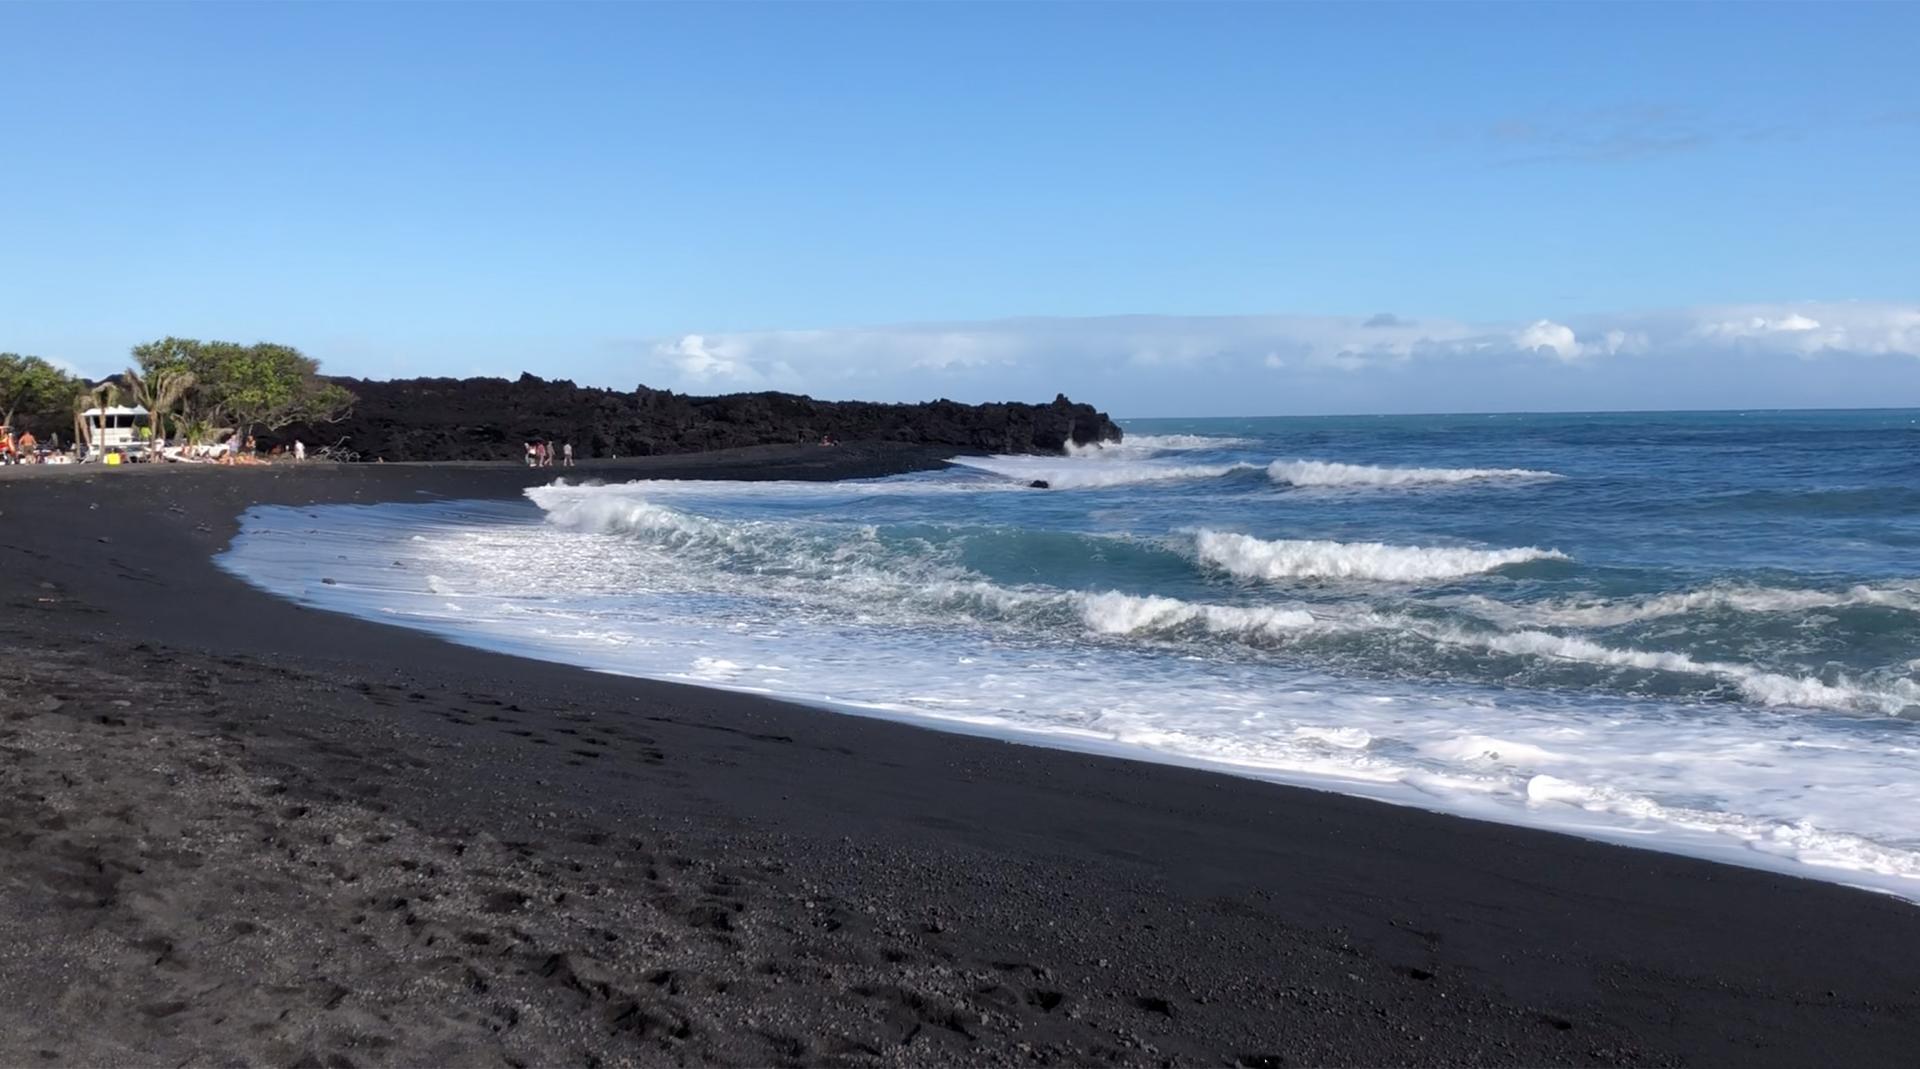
[701,361]
[1556,339]
[1757,326]
[1815,328]
[927,359]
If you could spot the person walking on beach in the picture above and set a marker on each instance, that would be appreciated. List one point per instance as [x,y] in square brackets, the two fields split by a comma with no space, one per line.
[566,455]
[299,449]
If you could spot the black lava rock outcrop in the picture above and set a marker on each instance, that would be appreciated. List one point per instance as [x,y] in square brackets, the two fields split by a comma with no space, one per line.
[493,419]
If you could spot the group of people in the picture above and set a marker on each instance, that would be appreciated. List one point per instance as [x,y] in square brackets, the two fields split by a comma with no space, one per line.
[542,454]
[24,448]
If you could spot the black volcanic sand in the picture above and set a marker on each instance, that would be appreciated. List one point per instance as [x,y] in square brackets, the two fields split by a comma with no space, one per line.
[235,831]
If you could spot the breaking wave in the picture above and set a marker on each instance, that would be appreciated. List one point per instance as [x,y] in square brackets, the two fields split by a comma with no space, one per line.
[1761,687]
[1248,557]
[1136,445]
[1616,612]
[1082,473]
[831,567]
[1114,613]
[1328,473]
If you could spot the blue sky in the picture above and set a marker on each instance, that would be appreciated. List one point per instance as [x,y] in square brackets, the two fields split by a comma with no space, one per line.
[901,201]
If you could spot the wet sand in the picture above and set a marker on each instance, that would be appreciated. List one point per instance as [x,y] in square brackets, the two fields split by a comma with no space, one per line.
[233,830]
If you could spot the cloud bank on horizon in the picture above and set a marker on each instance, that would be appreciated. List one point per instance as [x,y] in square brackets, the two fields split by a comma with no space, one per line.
[1804,354]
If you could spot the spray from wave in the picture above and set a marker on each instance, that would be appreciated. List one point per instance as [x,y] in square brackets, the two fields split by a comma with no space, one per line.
[1319,473]
[1142,445]
[1247,557]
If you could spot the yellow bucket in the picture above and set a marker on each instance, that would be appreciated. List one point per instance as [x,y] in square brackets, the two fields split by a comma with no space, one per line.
[113,458]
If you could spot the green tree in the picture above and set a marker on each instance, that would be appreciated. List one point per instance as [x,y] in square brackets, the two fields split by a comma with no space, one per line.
[159,391]
[263,385]
[270,386]
[196,360]
[32,385]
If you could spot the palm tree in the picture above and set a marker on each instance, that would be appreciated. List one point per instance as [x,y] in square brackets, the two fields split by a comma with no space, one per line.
[104,396]
[159,390]
[82,400]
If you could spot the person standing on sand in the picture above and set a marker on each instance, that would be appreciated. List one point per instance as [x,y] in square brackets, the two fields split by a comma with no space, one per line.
[566,455]
[299,449]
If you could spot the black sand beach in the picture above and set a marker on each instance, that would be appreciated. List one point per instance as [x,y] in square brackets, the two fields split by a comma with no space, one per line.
[235,831]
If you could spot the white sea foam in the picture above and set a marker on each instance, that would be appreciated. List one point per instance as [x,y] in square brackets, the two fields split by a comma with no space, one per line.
[1136,445]
[1114,613]
[834,614]
[1328,473]
[1761,687]
[1614,612]
[781,560]
[1255,558]
[1082,473]
[628,513]
[1800,840]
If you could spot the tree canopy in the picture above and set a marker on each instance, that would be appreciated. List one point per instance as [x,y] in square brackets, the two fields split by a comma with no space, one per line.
[30,385]
[261,385]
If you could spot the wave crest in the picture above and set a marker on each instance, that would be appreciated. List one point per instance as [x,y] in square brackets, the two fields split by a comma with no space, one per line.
[1330,473]
[623,514]
[1148,444]
[1114,613]
[1754,684]
[1248,557]
[1081,473]
[1611,612]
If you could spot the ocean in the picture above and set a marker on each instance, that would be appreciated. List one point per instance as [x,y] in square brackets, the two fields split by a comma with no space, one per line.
[1696,632]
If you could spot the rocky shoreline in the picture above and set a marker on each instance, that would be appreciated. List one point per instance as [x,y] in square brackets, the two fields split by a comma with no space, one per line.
[492,419]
